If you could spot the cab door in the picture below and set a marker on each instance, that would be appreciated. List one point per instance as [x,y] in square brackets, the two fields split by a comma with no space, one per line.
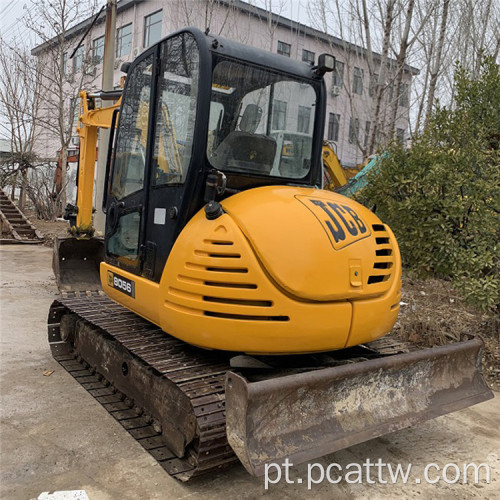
[127,198]
[173,138]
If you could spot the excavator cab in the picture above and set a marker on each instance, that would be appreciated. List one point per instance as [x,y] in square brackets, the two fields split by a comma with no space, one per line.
[218,233]
[178,126]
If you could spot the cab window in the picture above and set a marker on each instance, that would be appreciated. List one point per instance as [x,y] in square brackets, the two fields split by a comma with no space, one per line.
[253,126]
[176,110]
[130,153]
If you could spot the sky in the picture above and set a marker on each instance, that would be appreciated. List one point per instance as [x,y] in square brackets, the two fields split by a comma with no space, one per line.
[11,19]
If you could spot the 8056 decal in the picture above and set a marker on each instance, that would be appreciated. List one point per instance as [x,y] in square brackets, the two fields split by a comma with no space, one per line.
[122,284]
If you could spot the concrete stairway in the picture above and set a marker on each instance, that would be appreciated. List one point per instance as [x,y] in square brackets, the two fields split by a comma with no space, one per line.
[14,222]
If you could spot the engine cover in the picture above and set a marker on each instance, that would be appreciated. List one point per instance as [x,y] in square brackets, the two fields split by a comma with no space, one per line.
[317,245]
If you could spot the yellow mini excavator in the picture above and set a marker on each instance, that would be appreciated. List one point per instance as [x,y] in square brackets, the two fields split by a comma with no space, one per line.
[235,308]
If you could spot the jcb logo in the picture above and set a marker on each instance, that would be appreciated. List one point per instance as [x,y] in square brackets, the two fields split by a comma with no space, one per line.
[120,283]
[342,223]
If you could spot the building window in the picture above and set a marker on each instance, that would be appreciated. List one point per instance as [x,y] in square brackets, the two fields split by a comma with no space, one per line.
[338,76]
[372,89]
[279,115]
[367,132]
[404,100]
[74,105]
[308,56]
[353,130]
[98,50]
[78,59]
[400,135]
[65,63]
[357,83]
[124,41]
[333,127]
[284,49]
[152,28]
[304,119]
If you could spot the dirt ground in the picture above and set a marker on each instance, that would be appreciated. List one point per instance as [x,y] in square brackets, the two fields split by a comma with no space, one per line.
[54,436]
[50,229]
[432,313]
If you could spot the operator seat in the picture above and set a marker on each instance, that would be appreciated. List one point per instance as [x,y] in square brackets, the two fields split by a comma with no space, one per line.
[243,150]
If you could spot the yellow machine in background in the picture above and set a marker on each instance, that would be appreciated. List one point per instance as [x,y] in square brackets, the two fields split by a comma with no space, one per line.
[334,173]
[90,120]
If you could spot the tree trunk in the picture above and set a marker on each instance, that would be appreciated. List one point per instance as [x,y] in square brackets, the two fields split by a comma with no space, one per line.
[400,64]
[437,63]
[389,19]
[13,190]
[24,184]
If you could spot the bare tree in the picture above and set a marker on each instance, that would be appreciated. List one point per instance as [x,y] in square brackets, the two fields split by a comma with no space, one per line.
[465,34]
[387,18]
[269,13]
[435,64]
[61,76]
[19,103]
[364,31]
[218,16]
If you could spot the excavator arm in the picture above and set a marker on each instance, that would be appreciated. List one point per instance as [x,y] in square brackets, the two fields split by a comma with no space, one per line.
[90,119]
[334,173]
[76,259]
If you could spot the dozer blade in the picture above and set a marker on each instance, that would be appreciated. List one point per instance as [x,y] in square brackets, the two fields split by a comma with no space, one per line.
[76,263]
[308,415]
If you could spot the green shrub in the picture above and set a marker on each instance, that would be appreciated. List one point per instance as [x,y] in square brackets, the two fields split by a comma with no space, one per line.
[442,196]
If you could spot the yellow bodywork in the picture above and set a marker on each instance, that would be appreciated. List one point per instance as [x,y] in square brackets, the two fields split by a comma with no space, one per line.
[283,270]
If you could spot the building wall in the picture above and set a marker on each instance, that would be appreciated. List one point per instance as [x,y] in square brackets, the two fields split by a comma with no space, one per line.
[251,28]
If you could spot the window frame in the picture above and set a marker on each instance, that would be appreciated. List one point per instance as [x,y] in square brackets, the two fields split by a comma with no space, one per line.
[368,126]
[372,87]
[97,59]
[333,126]
[303,118]
[306,56]
[404,95]
[65,65]
[147,29]
[123,128]
[119,38]
[284,45]
[353,130]
[338,76]
[357,80]
[78,59]
[278,114]
[184,168]
[400,135]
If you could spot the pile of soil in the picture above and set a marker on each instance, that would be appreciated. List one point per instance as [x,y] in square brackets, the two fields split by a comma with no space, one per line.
[432,313]
[50,229]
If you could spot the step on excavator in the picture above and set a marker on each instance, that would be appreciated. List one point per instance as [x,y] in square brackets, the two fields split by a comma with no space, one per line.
[235,309]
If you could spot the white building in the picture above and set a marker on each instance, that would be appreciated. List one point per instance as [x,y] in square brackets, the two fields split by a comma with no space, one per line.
[5,149]
[140,23]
